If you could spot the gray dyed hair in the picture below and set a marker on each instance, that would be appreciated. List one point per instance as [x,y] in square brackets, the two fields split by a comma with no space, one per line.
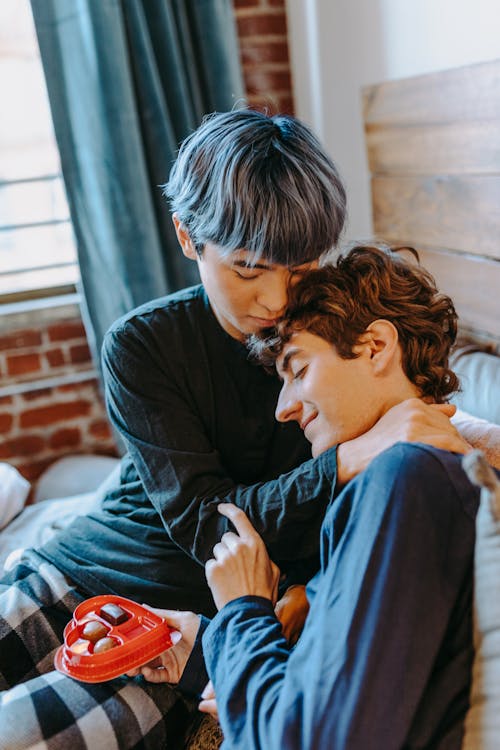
[244,180]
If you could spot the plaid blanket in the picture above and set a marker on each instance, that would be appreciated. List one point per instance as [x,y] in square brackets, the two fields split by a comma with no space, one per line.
[41,709]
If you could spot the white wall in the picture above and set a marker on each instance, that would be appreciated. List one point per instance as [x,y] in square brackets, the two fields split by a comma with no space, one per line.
[338,46]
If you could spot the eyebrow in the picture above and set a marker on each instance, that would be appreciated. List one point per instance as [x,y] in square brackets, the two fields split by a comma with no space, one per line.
[250,266]
[264,266]
[286,360]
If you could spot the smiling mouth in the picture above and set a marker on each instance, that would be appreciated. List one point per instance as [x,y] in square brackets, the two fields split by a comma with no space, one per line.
[304,424]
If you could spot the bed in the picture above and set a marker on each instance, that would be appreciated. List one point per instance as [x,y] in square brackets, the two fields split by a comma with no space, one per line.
[433,148]
[433,145]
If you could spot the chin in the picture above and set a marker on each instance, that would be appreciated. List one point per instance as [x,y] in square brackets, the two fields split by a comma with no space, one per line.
[317,450]
[321,446]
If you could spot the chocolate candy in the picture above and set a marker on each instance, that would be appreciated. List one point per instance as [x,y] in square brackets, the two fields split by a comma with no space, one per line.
[94,630]
[80,646]
[113,614]
[104,644]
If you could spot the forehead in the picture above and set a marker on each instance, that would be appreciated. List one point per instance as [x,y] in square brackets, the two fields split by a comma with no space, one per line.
[304,344]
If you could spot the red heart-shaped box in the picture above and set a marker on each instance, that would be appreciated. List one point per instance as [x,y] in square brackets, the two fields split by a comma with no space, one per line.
[140,638]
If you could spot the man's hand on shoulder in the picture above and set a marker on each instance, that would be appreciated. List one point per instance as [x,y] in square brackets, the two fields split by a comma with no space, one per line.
[411,421]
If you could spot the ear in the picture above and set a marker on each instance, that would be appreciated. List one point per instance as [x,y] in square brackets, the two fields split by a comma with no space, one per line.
[185,240]
[382,345]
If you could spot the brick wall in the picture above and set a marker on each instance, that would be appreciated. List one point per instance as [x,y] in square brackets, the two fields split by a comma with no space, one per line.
[39,424]
[263,38]
[53,406]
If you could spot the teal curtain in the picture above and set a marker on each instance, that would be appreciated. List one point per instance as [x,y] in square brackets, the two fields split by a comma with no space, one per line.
[127,81]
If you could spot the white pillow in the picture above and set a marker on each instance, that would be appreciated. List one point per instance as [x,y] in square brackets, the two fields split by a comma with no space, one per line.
[482,724]
[479,374]
[14,490]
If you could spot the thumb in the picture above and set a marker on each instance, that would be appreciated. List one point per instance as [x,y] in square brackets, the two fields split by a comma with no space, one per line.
[172,617]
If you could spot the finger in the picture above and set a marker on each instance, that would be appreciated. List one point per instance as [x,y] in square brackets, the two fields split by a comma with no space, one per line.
[238,519]
[175,636]
[448,409]
[230,539]
[134,672]
[208,691]
[173,617]
[209,566]
[219,551]
[155,675]
[209,707]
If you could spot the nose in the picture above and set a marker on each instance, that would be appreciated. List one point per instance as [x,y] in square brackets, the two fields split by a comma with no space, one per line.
[289,408]
[273,294]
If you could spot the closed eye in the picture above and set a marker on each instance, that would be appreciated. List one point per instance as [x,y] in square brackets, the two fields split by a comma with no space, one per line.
[246,276]
[300,373]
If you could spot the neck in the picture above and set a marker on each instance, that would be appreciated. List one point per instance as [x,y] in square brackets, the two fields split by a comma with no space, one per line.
[396,395]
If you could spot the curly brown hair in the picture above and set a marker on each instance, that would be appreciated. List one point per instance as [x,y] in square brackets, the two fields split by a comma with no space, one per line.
[339,301]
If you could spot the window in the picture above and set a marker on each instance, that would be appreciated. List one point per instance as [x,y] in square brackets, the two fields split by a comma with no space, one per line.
[37,247]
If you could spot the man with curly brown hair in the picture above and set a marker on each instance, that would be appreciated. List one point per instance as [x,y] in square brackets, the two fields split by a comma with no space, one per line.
[385,656]
[384,660]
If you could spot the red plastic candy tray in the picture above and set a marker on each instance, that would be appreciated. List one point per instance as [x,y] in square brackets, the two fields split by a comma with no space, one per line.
[143,636]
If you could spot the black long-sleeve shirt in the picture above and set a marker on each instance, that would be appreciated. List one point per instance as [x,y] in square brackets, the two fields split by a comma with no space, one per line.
[197,418]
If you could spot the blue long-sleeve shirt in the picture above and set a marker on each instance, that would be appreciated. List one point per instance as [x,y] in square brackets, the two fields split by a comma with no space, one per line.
[384,660]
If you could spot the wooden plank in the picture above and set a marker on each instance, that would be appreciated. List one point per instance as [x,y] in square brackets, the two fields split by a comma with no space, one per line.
[471,92]
[450,148]
[473,284]
[458,213]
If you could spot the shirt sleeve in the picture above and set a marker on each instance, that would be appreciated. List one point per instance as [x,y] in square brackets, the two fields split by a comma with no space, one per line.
[181,469]
[195,676]
[395,586]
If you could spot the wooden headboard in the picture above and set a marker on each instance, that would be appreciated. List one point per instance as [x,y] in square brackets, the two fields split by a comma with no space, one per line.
[433,145]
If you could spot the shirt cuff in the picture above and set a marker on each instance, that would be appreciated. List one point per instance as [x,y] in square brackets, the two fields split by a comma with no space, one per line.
[195,676]
[248,606]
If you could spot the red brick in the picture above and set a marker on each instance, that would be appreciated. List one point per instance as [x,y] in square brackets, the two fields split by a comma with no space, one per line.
[27,445]
[18,339]
[68,437]
[265,24]
[39,393]
[259,80]
[246,4]
[286,104]
[6,400]
[277,3]
[105,450]
[68,387]
[100,429]
[47,415]
[6,421]
[55,357]
[80,353]
[22,364]
[33,470]
[72,329]
[260,53]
